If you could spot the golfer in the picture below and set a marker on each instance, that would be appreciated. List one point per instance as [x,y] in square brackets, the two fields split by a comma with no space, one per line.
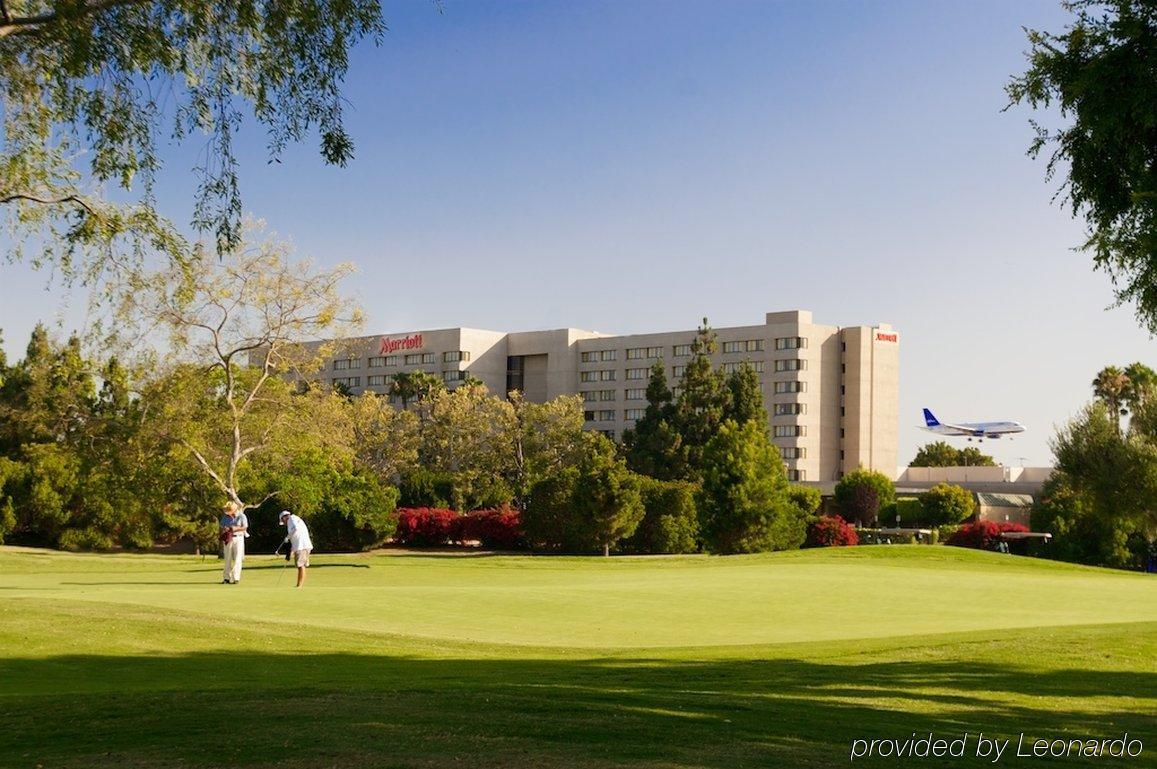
[300,544]
[234,530]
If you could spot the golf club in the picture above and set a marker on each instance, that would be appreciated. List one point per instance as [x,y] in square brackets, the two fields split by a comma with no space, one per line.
[281,571]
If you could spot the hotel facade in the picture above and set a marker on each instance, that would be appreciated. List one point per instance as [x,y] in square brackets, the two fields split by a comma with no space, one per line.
[831,393]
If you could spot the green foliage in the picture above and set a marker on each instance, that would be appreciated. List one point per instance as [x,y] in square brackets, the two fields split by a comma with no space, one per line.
[410,386]
[670,523]
[910,511]
[744,505]
[805,500]
[702,404]
[1079,534]
[423,487]
[946,504]
[862,493]
[655,447]
[745,396]
[943,454]
[590,506]
[1098,75]
[79,118]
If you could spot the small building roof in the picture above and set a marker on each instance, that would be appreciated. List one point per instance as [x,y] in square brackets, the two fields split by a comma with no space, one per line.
[992,499]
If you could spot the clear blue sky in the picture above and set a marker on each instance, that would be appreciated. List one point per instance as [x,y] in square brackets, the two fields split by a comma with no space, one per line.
[632,167]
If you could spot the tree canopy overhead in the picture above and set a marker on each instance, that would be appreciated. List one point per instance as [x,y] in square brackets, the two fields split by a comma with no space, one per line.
[91,88]
[1101,75]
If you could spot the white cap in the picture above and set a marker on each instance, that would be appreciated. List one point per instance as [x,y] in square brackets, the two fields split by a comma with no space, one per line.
[284,514]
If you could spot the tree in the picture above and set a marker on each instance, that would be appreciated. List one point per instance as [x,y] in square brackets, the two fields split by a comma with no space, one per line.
[1098,74]
[411,386]
[248,316]
[946,504]
[744,505]
[92,87]
[654,447]
[466,438]
[1142,386]
[1079,534]
[702,404]
[745,397]
[545,438]
[861,493]
[670,523]
[593,504]
[386,440]
[1110,387]
[943,454]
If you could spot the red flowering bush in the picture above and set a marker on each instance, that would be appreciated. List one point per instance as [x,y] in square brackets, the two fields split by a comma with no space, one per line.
[830,531]
[495,529]
[982,535]
[426,526]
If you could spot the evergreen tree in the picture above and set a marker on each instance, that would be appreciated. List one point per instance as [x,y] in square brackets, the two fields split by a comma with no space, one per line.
[654,447]
[702,404]
[745,396]
[744,504]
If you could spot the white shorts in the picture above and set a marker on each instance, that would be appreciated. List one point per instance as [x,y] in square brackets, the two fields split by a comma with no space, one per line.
[301,558]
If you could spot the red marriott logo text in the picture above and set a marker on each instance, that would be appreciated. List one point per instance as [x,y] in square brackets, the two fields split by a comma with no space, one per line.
[411,342]
[882,337]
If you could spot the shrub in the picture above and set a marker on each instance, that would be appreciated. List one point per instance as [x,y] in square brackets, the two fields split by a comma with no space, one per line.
[982,535]
[495,528]
[670,521]
[862,493]
[830,531]
[426,526]
[425,488]
[946,503]
[805,499]
[85,539]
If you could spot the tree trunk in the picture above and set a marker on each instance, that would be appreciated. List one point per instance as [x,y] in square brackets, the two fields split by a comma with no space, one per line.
[606,550]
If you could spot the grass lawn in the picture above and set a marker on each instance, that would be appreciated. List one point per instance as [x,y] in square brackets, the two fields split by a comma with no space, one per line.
[431,661]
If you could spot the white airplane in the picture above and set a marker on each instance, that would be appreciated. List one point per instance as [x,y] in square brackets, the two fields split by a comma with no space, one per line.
[978,430]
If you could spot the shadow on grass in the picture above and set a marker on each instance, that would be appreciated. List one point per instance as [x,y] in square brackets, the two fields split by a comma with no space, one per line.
[360,710]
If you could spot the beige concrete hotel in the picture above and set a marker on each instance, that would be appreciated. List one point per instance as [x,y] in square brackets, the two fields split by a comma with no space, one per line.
[831,392]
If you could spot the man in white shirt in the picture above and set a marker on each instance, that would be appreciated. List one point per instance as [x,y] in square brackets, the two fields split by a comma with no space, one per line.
[300,545]
[234,529]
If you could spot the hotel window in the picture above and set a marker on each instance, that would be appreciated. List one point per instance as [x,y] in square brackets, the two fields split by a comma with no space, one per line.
[636,373]
[790,387]
[634,413]
[589,416]
[607,375]
[607,415]
[606,395]
[377,362]
[590,357]
[391,360]
[731,368]
[634,353]
[455,355]
[754,345]
[842,411]
[608,355]
[454,375]
[588,376]
[377,380]
[428,357]
[590,396]
[796,475]
[654,352]
[636,394]
[792,452]
[413,360]
[790,343]
[677,371]
[349,381]
[758,366]
[729,347]
[790,431]
[609,433]
[341,365]
[681,351]
[789,409]
[791,364]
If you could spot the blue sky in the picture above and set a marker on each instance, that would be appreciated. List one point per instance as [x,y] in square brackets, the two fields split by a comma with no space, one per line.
[632,167]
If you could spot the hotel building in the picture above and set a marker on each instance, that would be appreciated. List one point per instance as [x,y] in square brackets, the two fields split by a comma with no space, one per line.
[831,393]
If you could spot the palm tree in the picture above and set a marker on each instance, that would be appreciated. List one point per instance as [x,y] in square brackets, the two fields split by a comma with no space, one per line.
[1142,386]
[1111,387]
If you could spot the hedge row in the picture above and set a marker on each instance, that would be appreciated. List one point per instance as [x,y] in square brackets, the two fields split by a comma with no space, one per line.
[495,529]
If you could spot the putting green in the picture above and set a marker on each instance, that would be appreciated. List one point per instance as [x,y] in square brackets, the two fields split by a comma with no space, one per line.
[415,660]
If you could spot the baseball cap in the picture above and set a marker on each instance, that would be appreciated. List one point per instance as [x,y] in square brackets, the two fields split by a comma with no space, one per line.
[284,514]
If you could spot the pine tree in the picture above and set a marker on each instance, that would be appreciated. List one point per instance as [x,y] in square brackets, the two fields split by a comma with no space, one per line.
[654,447]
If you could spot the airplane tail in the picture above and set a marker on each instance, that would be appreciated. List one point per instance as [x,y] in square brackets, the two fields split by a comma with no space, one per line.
[930,419]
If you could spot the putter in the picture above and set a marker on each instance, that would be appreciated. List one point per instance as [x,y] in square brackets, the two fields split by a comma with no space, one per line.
[281,571]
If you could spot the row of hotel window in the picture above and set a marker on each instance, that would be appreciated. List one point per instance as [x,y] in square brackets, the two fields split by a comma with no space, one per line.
[382,380]
[608,415]
[640,394]
[610,375]
[413,359]
[684,350]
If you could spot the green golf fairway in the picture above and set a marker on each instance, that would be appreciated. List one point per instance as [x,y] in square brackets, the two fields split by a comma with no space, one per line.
[502,661]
